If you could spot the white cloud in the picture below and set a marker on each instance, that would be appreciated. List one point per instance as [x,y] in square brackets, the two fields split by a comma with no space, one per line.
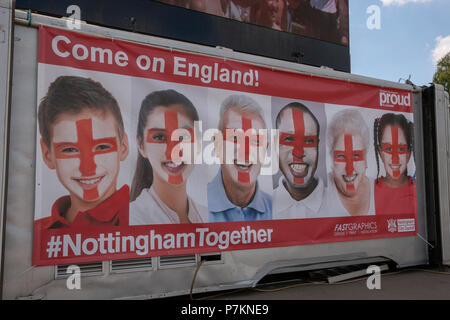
[441,49]
[401,2]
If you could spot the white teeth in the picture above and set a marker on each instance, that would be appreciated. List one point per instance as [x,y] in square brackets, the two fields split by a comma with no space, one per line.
[349,179]
[90,181]
[242,166]
[173,164]
[395,166]
[298,167]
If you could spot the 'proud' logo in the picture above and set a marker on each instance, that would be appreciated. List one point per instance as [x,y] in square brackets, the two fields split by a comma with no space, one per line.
[394,99]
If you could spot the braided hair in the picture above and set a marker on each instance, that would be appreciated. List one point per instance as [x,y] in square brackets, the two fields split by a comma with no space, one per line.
[393,120]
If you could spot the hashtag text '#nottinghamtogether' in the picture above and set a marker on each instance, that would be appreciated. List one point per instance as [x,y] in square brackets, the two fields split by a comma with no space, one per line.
[142,244]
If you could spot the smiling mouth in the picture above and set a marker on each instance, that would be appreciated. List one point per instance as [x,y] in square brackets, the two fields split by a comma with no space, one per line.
[173,167]
[349,179]
[88,183]
[243,167]
[395,166]
[299,170]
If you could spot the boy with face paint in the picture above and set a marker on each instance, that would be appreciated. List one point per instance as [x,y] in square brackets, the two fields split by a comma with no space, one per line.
[299,193]
[349,192]
[83,140]
[234,194]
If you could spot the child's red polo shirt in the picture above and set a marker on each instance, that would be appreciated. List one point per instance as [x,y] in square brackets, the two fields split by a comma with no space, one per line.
[114,211]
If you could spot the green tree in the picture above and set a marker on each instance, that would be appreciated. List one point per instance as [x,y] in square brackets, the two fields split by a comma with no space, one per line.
[442,75]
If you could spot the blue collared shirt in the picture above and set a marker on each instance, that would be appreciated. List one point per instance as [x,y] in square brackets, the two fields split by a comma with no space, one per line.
[222,210]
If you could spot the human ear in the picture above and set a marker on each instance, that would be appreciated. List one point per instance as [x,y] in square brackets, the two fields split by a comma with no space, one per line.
[47,156]
[124,147]
[140,147]
[218,144]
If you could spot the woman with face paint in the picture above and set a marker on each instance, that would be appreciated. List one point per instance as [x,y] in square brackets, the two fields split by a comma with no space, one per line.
[350,192]
[395,193]
[165,137]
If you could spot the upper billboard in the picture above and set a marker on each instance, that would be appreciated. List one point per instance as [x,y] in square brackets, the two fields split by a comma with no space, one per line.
[313,32]
[325,20]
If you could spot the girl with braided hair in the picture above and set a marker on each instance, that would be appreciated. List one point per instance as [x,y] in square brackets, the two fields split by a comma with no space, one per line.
[395,193]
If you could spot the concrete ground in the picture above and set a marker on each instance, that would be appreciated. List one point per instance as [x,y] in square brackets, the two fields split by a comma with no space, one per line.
[406,284]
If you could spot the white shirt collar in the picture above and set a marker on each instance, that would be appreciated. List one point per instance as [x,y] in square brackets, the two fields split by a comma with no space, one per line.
[284,200]
[193,214]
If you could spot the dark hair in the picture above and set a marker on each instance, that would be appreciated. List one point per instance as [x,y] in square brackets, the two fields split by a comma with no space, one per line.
[300,106]
[393,120]
[143,176]
[70,94]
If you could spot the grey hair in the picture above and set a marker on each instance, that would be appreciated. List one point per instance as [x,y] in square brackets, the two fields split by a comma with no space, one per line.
[243,103]
[349,121]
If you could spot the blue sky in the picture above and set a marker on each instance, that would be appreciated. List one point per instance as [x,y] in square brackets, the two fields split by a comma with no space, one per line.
[407,42]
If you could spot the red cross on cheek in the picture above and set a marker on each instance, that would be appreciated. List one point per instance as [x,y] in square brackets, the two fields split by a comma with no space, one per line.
[298,141]
[349,156]
[170,124]
[85,149]
[395,150]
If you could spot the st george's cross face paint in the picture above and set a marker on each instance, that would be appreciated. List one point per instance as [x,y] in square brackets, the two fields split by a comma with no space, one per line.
[244,145]
[298,146]
[169,135]
[350,165]
[85,148]
[394,151]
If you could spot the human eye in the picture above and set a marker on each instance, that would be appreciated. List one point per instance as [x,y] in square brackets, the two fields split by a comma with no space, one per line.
[309,141]
[103,146]
[159,136]
[288,138]
[234,138]
[256,140]
[184,137]
[70,149]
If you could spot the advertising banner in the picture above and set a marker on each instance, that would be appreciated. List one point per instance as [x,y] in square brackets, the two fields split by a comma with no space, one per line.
[144,151]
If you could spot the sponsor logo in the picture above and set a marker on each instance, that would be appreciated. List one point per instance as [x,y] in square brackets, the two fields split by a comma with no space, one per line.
[394,99]
[401,225]
[406,225]
[392,225]
[345,229]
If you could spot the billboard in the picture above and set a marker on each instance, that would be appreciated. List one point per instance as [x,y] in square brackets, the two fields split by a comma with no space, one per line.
[325,20]
[144,151]
[314,32]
